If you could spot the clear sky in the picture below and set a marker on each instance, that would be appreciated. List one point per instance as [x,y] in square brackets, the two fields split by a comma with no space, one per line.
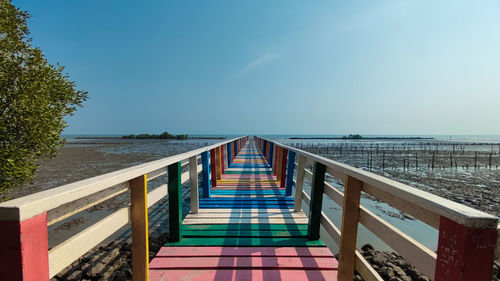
[277,67]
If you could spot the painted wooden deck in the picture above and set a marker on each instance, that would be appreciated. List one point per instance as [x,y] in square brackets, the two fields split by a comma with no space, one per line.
[246,230]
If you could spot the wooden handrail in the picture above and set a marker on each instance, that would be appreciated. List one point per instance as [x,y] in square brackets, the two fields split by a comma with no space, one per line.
[459,226]
[39,210]
[29,206]
[459,213]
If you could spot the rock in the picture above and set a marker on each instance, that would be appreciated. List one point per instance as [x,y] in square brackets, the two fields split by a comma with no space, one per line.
[357,278]
[379,259]
[412,272]
[401,273]
[367,248]
[386,272]
[125,247]
[421,278]
[75,275]
[126,269]
[118,276]
[395,279]
[98,269]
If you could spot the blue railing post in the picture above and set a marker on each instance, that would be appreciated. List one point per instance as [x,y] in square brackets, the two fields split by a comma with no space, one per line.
[205,175]
[317,189]
[289,172]
[271,147]
[229,155]
[264,144]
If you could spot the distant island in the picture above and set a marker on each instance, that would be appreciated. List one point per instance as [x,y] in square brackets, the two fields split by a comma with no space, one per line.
[163,136]
[359,137]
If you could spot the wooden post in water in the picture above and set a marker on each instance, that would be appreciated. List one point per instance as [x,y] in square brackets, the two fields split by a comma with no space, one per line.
[316,203]
[349,232]
[475,159]
[433,155]
[383,160]
[175,202]
[139,219]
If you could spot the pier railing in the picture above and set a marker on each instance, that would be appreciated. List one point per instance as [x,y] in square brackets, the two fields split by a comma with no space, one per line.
[467,237]
[24,253]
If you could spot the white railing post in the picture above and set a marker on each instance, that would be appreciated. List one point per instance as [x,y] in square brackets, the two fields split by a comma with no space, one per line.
[299,183]
[193,183]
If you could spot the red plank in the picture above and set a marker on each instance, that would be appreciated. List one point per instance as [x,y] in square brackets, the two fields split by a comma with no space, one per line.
[241,275]
[245,251]
[243,262]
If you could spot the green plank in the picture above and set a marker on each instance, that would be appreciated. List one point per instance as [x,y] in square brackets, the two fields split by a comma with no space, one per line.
[234,241]
[245,226]
[244,233]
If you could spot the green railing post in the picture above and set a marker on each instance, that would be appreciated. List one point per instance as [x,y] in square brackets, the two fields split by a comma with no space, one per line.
[317,189]
[175,202]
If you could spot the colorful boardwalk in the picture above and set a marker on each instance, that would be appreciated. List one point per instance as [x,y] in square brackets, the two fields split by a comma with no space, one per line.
[246,230]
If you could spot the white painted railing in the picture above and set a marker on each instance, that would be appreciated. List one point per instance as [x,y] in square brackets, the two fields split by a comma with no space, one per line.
[24,253]
[467,237]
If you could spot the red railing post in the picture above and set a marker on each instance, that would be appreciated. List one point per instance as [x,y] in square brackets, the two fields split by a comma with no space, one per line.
[284,158]
[464,253]
[213,168]
[24,247]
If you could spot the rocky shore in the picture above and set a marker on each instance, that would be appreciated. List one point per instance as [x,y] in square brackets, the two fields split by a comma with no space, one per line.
[112,262]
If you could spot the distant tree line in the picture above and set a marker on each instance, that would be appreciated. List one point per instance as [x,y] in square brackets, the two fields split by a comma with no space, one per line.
[352,137]
[163,136]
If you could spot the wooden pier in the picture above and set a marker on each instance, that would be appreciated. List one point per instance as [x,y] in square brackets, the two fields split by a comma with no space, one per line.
[246,230]
[246,220]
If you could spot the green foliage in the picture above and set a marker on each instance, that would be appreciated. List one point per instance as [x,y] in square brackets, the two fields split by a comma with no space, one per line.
[352,137]
[34,98]
[164,135]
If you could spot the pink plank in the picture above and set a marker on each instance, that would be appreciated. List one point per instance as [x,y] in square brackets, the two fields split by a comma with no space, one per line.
[245,252]
[248,176]
[243,262]
[241,275]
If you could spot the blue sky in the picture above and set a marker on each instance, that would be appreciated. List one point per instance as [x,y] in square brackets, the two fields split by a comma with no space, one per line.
[277,67]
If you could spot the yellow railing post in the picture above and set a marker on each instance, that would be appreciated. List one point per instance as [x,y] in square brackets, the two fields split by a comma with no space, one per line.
[349,232]
[139,218]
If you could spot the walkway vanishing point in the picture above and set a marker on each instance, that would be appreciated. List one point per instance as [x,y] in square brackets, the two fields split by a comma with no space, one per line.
[248,223]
